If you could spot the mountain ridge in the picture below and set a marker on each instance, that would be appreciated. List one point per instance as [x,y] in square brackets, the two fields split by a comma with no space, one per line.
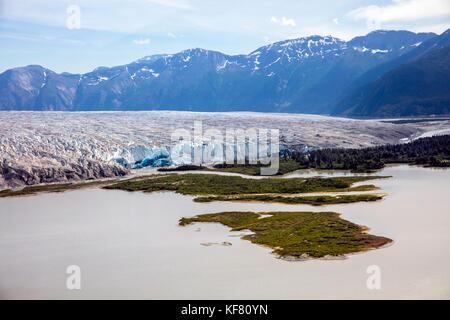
[419,87]
[303,75]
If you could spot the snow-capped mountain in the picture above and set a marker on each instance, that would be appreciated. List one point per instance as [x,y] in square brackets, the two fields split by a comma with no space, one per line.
[409,85]
[304,75]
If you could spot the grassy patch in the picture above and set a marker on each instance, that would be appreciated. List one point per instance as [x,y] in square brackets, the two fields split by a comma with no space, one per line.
[312,200]
[211,184]
[285,166]
[59,187]
[182,168]
[298,234]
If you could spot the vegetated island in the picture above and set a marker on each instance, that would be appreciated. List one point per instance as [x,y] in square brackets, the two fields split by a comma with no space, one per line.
[311,200]
[212,184]
[285,166]
[298,235]
[429,152]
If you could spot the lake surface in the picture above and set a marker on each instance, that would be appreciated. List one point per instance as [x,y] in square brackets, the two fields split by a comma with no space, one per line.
[128,245]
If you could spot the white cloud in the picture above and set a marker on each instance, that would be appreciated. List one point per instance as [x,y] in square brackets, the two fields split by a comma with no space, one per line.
[287,22]
[40,38]
[142,41]
[340,31]
[336,21]
[172,4]
[436,28]
[171,35]
[283,21]
[402,10]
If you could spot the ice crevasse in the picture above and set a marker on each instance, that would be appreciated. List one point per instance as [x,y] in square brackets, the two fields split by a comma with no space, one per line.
[142,156]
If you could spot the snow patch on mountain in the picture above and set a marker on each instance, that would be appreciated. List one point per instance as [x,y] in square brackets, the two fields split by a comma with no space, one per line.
[379,51]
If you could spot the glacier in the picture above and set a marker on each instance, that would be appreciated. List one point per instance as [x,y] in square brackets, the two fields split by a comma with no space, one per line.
[46,147]
[142,156]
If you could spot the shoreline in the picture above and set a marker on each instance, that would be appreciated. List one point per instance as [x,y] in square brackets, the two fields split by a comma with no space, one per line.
[228,219]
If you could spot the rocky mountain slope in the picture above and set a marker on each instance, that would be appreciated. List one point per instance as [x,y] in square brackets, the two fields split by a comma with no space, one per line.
[305,75]
[420,87]
[354,100]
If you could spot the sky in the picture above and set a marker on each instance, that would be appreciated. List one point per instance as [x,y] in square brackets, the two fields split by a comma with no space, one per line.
[79,35]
